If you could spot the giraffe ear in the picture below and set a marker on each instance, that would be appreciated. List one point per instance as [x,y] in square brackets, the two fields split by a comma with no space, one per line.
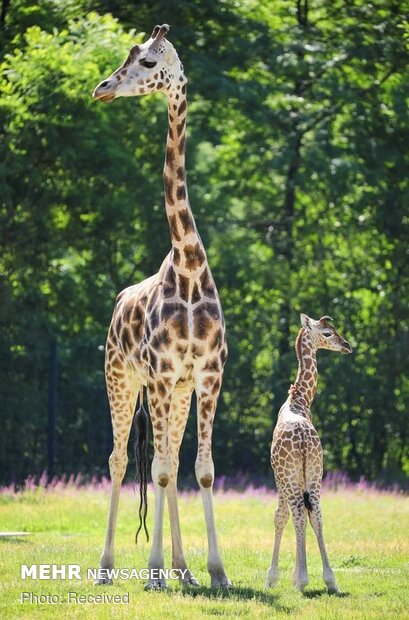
[305,321]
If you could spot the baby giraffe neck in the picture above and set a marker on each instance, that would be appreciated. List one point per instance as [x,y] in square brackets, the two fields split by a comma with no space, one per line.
[188,251]
[302,392]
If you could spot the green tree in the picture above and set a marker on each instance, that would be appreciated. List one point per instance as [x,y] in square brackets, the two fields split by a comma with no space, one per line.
[297,164]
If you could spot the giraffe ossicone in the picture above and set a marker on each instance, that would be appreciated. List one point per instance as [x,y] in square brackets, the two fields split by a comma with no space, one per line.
[167,333]
[296,453]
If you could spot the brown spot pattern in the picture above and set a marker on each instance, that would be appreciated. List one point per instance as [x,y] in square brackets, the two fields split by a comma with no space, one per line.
[169,284]
[174,230]
[195,293]
[184,287]
[181,127]
[182,107]
[206,481]
[168,184]
[170,156]
[194,256]
[181,192]
[181,147]
[206,284]
[186,221]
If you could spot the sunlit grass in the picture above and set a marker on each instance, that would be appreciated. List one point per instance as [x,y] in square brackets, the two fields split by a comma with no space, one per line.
[366,534]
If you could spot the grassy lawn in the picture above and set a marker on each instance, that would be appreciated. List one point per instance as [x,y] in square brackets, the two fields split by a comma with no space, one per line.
[366,534]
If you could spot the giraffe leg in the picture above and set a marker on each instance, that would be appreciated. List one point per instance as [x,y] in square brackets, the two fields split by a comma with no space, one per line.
[179,412]
[207,394]
[315,517]
[298,510]
[122,391]
[159,398]
[280,521]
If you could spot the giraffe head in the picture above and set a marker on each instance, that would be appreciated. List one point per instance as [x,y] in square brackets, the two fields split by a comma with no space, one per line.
[150,67]
[324,335]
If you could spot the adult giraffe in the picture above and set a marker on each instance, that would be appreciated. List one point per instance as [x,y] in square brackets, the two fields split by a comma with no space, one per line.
[167,333]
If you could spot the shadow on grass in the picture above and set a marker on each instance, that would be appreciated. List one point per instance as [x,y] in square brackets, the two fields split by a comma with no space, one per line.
[15,541]
[318,593]
[237,593]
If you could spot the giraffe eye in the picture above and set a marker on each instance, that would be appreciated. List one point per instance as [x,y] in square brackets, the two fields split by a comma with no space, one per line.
[149,64]
[326,334]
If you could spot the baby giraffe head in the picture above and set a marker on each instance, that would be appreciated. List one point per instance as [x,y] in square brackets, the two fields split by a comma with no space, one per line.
[150,67]
[324,335]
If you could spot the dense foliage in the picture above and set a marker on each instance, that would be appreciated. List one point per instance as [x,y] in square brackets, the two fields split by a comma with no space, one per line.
[297,169]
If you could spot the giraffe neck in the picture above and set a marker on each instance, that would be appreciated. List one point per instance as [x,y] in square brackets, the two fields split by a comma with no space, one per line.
[302,392]
[187,248]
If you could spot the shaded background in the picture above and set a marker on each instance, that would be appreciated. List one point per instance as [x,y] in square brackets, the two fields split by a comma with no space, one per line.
[297,169]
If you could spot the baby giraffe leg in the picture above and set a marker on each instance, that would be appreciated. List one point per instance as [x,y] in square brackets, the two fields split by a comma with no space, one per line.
[316,522]
[300,575]
[280,521]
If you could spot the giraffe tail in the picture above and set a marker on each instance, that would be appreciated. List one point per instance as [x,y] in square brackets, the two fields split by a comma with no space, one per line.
[141,425]
[306,494]
[307,501]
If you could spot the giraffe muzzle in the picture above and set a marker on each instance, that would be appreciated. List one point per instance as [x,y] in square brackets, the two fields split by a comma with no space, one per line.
[346,348]
[103,92]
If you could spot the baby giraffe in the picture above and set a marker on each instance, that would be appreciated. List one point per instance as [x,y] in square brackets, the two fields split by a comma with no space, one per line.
[296,453]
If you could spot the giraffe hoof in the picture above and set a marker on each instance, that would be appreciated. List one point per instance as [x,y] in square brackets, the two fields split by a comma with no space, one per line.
[301,583]
[103,581]
[272,578]
[156,584]
[332,588]
[221,582]
[190,582]
[301,586]
[186,578]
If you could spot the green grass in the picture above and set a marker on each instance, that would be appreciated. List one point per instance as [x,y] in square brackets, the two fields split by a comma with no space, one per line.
[366,534]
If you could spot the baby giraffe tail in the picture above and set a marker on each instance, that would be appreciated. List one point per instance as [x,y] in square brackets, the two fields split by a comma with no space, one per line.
[307,501]
[306,495]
